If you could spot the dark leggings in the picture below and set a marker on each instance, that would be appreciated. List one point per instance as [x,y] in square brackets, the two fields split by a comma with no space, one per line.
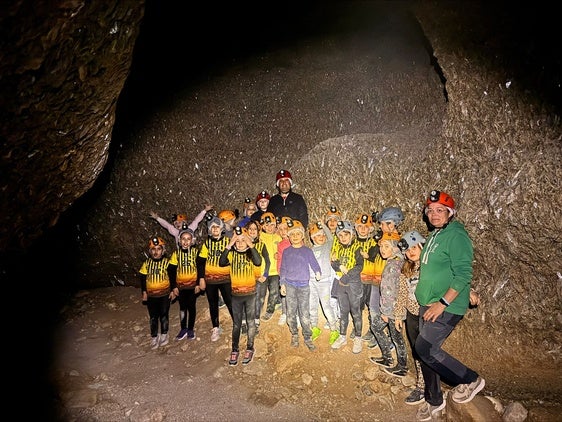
[159,312]
[187,301]
[213,299]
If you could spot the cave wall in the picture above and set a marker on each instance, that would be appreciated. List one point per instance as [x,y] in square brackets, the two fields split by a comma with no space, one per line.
[491,98]
[63,66]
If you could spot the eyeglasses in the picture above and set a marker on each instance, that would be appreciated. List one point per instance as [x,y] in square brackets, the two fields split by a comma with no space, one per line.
[437,211]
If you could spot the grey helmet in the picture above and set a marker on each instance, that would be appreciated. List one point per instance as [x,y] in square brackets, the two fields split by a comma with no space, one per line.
[393,214]
[344,225]
[410,239]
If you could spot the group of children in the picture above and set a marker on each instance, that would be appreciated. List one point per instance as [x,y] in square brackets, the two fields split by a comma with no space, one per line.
[349,266]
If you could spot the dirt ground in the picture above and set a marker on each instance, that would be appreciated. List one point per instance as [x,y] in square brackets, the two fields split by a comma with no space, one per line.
[106,371]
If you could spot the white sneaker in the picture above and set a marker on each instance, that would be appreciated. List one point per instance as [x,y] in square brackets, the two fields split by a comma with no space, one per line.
[164,339]
[154,342]
[340,341]
[357,345]
[215,334]
[282,319]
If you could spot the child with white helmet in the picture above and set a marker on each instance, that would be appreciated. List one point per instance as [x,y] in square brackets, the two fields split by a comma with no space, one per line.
[212,277]
[407,308]
[320,290]
[347,261]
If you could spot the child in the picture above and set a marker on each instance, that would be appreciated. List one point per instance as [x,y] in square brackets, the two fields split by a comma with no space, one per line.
[365,229]
[298,261]
[178,221]
[347,261]
[185,257]
[389,290]
[228,218]
[262,272]
[332,217]
[389,219]
[282,228]
[242,258]
[407,307]
[271,239]
[320,290]
[249,209]
[158,286]
[212,277]
[262,202]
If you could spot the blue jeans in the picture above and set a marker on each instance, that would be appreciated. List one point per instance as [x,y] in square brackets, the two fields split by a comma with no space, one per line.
[437,363]
[298,303]
[243,306]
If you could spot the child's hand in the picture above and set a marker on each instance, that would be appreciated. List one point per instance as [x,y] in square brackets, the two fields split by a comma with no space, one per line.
[398,323]
[144,297]
[318,276]
[343,269]
[261,279]
[153,215]
[208,207]
[474,298]
[364,254]
[283,290]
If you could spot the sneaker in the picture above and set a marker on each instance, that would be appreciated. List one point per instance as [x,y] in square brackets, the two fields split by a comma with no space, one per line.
[340,341]
[215,333]
[415,397]
[233,358]
[368,337]
[396,371]
[164,339]
[386,362]
[334,334]
[248,356]
[282,319]
[190,334]
[295,341]
[427,411]
[182,334]
[310,345]
[267,316]
[463,393]
[315,333]
[154,341]
[357,345]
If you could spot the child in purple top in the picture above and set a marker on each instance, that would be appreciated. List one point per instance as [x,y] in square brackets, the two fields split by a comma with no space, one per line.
[294,274]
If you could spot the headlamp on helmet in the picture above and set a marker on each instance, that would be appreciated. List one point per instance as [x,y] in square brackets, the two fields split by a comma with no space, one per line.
[155,241]
[344,225]
[409,239]
[441,198]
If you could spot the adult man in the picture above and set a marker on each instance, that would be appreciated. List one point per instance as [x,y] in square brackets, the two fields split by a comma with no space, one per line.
[287,203]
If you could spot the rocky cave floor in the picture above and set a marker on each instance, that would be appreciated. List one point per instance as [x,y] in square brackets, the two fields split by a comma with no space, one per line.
[105,370]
